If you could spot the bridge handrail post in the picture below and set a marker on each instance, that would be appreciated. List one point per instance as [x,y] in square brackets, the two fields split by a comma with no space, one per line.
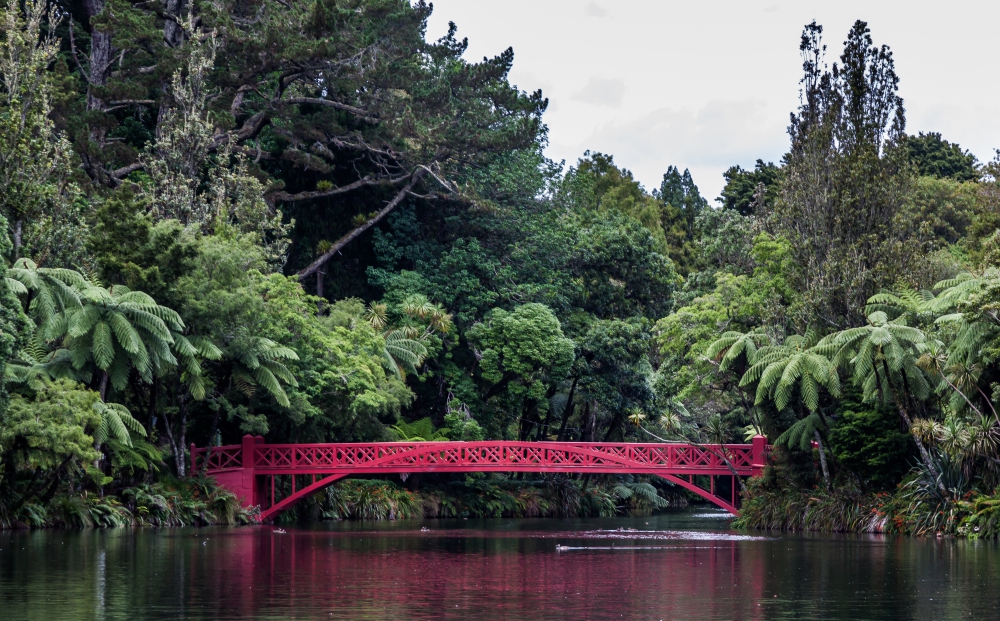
[248,442]
[194,459]
[759,444]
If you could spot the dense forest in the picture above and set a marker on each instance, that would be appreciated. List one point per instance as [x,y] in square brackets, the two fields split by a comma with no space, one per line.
[306,221]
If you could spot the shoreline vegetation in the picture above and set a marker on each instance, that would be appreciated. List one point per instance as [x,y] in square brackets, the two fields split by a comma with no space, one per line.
[307,222]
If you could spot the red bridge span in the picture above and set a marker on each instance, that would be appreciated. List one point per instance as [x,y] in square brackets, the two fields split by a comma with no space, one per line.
[252,470]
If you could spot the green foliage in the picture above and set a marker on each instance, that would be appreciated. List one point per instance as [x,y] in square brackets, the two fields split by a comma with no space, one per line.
[869,444]
[526,345]
[46,430]
[37,163]
[750,191]
[44,440]
[935,157]
[131,249]
[843,509]
[495,496]
[171,211]
[14,324]
[361,499]
[419,431]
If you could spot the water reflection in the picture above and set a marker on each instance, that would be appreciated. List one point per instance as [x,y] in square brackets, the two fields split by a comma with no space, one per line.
[676,566]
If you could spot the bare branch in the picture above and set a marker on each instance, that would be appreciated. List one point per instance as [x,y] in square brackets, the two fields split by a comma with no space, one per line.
[285,197]
[360,113]
[354,233]
[76,60]
[126,170]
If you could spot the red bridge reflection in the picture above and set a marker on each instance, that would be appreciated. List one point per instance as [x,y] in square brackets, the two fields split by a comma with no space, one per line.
[250,469]
[476,574]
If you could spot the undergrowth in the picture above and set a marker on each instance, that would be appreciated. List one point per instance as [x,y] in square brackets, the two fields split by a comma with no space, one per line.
[170,502]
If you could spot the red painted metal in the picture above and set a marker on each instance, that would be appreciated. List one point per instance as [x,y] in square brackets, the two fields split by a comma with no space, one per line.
[240,468]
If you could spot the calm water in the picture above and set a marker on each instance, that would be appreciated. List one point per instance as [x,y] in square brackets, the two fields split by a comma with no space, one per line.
[684,565]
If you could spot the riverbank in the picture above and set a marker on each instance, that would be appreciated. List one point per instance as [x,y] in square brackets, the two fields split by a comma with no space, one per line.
[195,501]
[198,501]
[916,507]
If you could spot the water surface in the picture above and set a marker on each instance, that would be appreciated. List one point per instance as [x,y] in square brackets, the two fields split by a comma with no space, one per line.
[680,565]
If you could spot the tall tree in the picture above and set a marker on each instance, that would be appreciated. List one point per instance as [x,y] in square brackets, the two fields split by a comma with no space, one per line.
[846,177]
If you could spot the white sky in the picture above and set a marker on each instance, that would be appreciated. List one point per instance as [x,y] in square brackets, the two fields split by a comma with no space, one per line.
[708,84]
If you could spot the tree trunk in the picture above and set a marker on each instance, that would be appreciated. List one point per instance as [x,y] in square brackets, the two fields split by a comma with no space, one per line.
[101,52]
[104,386]
[925,456]
[173,34]
[18,234]
[527,423]
[151,413]
[176,441]
[822,459]
[319,290]
[567,411]
[590,423]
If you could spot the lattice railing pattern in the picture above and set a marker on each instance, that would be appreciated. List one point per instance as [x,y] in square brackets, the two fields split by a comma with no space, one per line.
[219,457]
[555,456]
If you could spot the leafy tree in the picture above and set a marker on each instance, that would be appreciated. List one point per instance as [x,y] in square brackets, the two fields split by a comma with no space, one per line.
[934,156]
[131,249]
[521,355]
[750,191]
[679,191]
[14,324]
[43,438]
[36,163]
[49,292]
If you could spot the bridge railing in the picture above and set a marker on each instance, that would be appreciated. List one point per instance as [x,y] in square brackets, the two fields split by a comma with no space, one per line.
[743,459]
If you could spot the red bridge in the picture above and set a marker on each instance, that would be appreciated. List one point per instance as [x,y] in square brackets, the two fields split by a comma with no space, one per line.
[250,470]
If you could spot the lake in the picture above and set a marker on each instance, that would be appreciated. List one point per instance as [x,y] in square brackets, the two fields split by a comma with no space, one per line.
[684,564]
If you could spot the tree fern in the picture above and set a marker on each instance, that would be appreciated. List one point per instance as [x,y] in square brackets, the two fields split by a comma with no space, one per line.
[116,421]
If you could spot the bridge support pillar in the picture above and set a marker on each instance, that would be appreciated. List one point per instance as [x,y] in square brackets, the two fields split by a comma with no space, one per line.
[243,481]
[759,444]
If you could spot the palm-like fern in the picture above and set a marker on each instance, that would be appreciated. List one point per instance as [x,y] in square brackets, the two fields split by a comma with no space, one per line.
[189,351]
[48,291]
[798,362]
[418,431]
[402,353]
[403,350]
[419,307]
[258,361]
[116,421]
[907,301]
[803,432]
[883,357]
[954,292]
[728,348]
[33,366]
[117,330]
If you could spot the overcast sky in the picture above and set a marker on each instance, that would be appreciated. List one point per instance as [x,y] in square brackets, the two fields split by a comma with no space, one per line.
[705,85]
